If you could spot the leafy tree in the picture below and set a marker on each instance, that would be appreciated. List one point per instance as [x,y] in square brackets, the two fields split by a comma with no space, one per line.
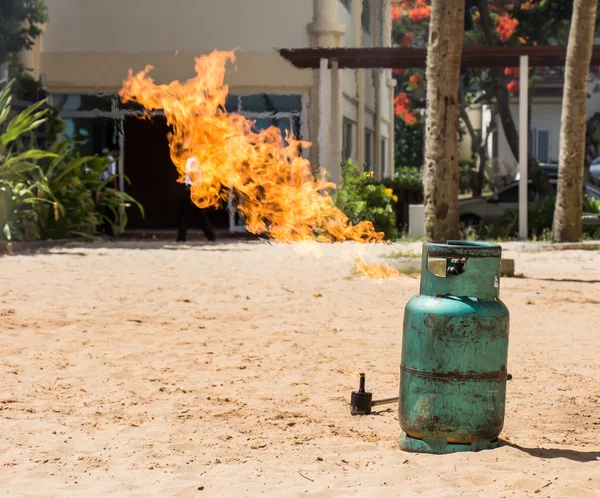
[20,24]
[487,23]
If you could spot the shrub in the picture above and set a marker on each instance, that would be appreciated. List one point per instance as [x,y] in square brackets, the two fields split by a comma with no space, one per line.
[361,199]
[405,178]
[54,193]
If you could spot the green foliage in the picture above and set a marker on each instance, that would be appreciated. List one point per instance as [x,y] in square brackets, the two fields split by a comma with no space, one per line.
[20,24]
[405,178]
[361,199]
[409,143]
[54,193]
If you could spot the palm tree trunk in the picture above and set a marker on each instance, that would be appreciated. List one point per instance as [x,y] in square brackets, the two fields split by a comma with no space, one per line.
[567,226]
[441,127]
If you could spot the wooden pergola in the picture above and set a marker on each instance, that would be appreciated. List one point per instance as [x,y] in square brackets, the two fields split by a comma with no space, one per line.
[404,58]
[472,57]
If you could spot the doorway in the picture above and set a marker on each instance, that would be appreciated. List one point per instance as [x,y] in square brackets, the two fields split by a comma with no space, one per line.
[153,178]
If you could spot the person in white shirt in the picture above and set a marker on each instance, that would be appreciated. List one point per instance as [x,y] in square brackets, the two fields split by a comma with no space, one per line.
[110,173]
[192,172]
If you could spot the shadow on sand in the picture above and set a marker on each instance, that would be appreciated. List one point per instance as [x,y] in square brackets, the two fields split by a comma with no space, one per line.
[549,453]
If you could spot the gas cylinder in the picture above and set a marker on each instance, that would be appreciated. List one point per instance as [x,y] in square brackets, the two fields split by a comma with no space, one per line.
[454,352]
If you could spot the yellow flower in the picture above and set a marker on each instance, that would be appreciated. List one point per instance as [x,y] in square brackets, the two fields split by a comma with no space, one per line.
[389,192]
[395,198]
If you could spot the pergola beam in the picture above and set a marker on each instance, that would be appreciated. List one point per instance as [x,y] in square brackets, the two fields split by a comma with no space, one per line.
[406,58]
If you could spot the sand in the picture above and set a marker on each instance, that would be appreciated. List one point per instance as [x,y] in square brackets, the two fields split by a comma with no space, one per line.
[149,369]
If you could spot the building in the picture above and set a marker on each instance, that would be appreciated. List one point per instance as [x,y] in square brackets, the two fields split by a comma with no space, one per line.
[546,95]
[88,47]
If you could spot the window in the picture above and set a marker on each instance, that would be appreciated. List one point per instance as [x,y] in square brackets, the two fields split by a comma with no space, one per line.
[368,150]
[366,15]
[543,145]
[347,140]
[271,103]
[100,102]
[383,156]
[282,111]
[539,143]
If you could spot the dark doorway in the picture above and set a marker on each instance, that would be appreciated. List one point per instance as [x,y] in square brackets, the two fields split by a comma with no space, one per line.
[154,177]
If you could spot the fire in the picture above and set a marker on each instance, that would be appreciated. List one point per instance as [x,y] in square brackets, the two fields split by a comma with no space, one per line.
[376,271]
[351,374]
[280,196]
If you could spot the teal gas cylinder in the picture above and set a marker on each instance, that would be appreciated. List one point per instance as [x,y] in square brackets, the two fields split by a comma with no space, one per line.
[454,353]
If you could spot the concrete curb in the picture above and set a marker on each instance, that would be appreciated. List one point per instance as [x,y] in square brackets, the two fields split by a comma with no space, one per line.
[17,247]
[563,246]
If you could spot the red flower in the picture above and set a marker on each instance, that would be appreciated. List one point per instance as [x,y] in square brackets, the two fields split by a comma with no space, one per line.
[397,13]
[399,71]
[512,71]
[410,119]
[416,79]
[506,27]
[407,39]
[513,87]
[420,13]
[401,104]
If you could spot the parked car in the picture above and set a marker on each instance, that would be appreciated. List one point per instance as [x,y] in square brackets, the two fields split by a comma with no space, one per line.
[490,209]
[551,170]
[595,169]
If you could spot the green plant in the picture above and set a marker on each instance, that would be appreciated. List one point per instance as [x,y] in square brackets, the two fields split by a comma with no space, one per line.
[409,143]
[54,193]
[14,162]
[361,199]
[405,178]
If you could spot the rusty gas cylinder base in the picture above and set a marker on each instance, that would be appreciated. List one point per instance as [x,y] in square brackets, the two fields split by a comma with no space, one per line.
[441,447]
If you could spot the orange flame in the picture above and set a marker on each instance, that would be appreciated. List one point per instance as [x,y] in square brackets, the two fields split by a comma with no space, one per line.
[351,374]
[280,196]
[376,271]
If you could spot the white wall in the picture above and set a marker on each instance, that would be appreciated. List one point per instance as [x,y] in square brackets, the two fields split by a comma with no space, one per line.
[543,115]
[185,25]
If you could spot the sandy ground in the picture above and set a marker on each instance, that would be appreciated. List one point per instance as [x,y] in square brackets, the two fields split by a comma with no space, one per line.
[144,369]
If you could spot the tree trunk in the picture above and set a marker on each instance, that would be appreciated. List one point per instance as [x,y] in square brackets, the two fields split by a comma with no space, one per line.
[567,226]
[441,126]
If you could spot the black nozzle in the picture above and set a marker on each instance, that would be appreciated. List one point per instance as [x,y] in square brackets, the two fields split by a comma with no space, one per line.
[361,401]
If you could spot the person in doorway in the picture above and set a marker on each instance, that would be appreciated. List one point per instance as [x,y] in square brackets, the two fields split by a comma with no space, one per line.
[186,207]
[110,175]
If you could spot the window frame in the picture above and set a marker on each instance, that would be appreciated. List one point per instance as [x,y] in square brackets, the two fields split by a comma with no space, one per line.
[383,157]
[347,4]
[347,139]
[369,150]
[366,16]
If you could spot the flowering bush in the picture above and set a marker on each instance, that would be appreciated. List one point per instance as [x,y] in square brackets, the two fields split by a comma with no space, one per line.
[363,199]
